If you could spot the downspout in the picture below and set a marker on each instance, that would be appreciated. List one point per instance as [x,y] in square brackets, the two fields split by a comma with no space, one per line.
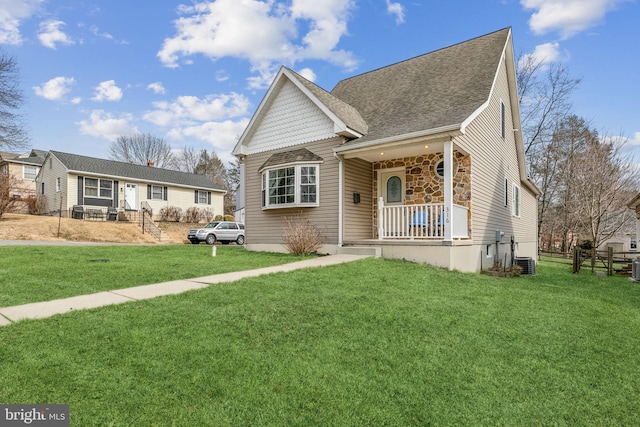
[340,196]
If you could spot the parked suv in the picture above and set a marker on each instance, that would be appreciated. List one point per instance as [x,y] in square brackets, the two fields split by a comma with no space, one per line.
[223,231]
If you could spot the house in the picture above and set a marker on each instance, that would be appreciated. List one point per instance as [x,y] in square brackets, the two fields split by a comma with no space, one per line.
[66,180]
[24,168]
[421,160]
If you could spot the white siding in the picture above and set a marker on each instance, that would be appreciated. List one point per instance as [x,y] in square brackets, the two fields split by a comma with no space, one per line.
[183,198]
[291,118]
[493,159]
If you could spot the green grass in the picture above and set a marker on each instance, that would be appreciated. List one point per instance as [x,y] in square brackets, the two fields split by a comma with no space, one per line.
[373,343]
[43,273]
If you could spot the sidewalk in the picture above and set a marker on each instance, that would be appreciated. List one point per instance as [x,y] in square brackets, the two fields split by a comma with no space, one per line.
[41,310]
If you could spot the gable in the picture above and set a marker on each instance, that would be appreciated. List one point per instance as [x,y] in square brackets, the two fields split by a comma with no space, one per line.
[290,119]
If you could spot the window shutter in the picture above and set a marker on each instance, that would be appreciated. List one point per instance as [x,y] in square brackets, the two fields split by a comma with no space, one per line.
[209,198]
[115,194]
[80,190]
[148,192]
[165,193]
[195,200]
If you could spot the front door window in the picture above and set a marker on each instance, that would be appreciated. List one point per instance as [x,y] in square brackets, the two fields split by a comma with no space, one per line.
[394,189]
[391,186]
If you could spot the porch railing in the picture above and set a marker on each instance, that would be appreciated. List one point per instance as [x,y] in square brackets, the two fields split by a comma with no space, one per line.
[425,221]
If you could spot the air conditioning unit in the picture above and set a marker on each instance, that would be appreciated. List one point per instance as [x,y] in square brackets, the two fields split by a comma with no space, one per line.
[527,264]
[635,270]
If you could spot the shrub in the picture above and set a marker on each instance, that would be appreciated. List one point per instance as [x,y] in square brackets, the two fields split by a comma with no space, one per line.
[218,218]
[193,215]
[229,218]
[171,214]
[301,237]
[206,214]
[36,205]
[7,201]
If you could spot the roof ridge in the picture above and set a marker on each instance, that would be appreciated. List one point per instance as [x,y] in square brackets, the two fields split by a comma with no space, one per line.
[421,55]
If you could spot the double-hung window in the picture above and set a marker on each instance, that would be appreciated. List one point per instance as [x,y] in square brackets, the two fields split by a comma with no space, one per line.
[100,188]
[29,172]
[290,186]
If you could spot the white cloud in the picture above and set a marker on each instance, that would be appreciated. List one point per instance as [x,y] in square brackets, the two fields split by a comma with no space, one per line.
[308,74]
[77,100]
[568,17]
[543,54]
[12,12]
[104,125]
[263,33]
[635,140]
[397,10]
[190,110]
[55,89]
[221,135]
[50,34]
[107,91]
[96,31]
[156,87]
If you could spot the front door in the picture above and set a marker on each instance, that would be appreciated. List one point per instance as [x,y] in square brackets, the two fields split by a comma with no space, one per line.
[392,186]
[131,197]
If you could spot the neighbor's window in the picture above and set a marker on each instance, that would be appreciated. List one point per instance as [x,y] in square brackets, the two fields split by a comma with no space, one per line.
[290,186]
[156,192]
[29,172]
[515,209]
[203,197]
[503,120]
[57,184]
[101,188]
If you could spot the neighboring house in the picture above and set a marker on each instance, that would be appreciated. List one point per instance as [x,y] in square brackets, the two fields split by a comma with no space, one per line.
[98,183]
[422,160]
[24,168]
[618,231]
[633,234]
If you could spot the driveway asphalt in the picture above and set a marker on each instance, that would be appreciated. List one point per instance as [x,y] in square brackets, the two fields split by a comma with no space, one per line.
[40,310]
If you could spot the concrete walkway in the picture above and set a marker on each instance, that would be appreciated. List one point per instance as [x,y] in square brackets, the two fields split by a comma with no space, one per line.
[40,310]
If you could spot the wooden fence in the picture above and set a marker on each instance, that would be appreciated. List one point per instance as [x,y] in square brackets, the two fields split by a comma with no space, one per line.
[609,261]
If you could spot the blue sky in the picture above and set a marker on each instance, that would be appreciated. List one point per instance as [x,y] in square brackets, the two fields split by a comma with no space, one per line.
[194,72]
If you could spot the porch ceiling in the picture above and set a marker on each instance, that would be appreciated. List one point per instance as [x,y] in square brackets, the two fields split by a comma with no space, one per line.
[397,150]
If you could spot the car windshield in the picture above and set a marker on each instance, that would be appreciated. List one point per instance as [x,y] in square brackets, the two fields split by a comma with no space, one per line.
[211,225]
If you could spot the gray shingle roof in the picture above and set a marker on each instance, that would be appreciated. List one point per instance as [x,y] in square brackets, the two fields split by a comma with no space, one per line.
[35,157]
[286,157]
[92,165]
[438,89]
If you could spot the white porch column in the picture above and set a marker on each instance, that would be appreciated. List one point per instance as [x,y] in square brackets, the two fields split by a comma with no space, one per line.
[448,191]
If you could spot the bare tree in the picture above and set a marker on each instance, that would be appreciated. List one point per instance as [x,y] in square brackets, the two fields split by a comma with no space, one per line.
[187,160]
[544,91]
[607,179]
[13,133]
[8,185]
[142,148]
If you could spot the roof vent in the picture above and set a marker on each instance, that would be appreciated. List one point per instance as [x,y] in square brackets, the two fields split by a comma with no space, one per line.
[150,163]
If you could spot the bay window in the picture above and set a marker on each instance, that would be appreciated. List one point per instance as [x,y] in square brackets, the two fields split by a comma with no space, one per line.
[290,186]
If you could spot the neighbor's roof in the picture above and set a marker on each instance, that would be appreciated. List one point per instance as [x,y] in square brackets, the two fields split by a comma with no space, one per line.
[35,157]
[436,90]
[111,168]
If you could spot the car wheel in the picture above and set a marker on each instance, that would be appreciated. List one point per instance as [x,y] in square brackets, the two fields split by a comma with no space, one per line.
[211,239]
[240,240]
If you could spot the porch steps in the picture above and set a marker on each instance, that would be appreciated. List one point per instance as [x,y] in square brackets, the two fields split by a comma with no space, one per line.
[374,251]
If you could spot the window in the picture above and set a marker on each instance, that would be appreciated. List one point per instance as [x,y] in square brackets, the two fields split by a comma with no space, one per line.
[394,189]
[29,172]
[203,197]
[506,191]
[57,184]
[503,120]
[515,207]
[157,192]
[100,188]
[290,186]
[440,169]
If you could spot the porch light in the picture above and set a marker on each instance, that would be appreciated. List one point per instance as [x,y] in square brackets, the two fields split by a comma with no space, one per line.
[381,153]
[426,146]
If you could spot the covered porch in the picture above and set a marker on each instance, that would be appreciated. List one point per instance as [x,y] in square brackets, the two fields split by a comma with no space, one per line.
[421,191]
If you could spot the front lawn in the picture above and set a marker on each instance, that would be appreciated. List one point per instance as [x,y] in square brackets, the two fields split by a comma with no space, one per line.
[374,342]
[42,273]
